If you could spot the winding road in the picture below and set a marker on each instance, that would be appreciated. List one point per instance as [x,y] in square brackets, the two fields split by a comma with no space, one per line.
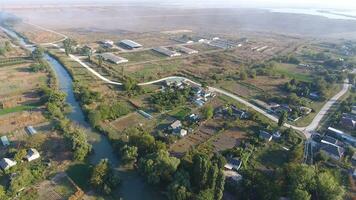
[305,130]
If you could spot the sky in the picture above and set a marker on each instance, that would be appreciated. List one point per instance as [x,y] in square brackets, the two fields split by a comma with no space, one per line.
[334,4]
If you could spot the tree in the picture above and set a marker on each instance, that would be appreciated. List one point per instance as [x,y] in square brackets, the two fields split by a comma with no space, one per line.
[282,119]
[100,61]
[129,154]
[20,155]
[179,189]
[298,194]
[103,178]
[158,167]
[201,165]
[207,194]
[37,54]
[328,187]
[2,193]
[219,186]
[208,112]
[68,45]
[243,75]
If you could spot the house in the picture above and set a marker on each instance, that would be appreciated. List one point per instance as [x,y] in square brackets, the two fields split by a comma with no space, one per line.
[239,113]
[265,136]
[233,164]
[333,151]
[194,118]
[32,154]
[129,44]
[341,135]
[232,176]
[348,122]
[166,52]
[180,132]
[186,50]
[113,58]
[5,141]
[330,140]
[175,125]
[7,163]
[31,130]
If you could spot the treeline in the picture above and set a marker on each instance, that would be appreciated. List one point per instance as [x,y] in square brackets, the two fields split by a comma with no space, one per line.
[196,176]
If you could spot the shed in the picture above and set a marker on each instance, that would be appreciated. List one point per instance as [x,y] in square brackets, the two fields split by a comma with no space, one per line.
[129,44]
[31,130]
[32,154]
[5,141]
[7,163]
[113,58]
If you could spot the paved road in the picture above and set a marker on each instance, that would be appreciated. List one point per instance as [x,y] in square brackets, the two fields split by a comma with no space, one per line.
[305,130]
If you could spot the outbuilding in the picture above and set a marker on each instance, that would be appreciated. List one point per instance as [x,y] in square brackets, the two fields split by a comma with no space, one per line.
[129,44]
[32,154]
[113,58]
[7,163]
[5,141]
[166,52]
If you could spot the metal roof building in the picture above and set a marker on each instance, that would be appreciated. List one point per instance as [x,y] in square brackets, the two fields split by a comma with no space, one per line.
[113,58]
[5,141]
[129,44]
[166,52]
[186,50]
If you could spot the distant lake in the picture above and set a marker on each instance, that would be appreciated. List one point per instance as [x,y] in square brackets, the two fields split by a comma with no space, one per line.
[331,14]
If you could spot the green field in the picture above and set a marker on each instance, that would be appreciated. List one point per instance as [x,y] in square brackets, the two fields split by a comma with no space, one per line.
[17,109]
[292,71]
[140,56]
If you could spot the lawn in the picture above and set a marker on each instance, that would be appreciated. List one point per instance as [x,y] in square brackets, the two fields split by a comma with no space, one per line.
[181,113]
[65,188]
[271,156]
[17,109]
[292,71]
[80,174]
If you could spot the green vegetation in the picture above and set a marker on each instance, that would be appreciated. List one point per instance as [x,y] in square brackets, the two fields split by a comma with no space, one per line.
[103,178]
[168,99]
[80,173]
[18,109]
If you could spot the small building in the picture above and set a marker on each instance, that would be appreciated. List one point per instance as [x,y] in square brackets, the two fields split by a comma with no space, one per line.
[175,125]
[129,44]
[333,151]
[314,96]
[5,141]
[239,113]
[194,118]
[7,163]
[186,50]
[233,164]
[31,130]
[107,43]
[180,132]
[32,154]
[265,136]
[199,102]
[113,58]
[232,176]
[166,52]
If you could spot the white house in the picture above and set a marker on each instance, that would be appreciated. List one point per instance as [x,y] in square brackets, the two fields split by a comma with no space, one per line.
[32,154]
[7,163]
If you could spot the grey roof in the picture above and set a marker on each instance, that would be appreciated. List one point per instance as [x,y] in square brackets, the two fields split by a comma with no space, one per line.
[330,140]
[165,51]
[186,50]
[113,58]
[131,43]
[265,135]
[333,150]
[5,141]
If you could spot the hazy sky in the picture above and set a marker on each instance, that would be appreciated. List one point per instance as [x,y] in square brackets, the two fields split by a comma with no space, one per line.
[338,4]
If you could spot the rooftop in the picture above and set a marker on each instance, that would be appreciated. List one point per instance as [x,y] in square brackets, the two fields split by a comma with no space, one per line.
[131,43]
[113,58]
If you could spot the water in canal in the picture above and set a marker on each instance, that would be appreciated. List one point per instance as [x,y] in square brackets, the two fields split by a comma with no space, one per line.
[133,186]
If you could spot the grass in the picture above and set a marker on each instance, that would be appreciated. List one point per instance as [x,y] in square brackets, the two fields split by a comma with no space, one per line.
[65,188]
[271,155]
[80,174]
[292,72]
[181,113]
[17,109]
[140,56]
